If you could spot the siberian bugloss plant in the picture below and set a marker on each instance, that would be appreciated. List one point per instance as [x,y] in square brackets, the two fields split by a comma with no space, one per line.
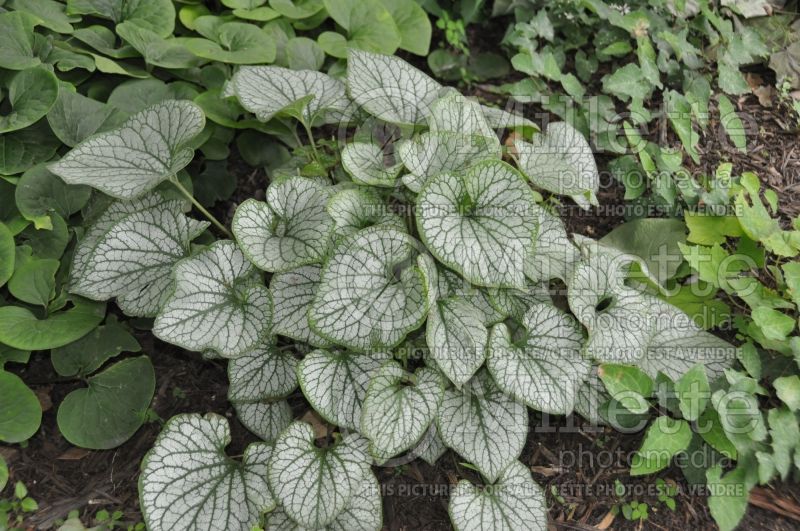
[425,238]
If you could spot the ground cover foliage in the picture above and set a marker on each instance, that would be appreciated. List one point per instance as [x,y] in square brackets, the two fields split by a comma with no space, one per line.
[405,273]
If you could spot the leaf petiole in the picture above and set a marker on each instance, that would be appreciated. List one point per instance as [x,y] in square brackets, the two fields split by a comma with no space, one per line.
[174,180]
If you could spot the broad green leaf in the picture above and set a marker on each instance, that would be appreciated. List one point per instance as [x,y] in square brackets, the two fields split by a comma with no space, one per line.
[483,425]
[561,161]
[335,383]
[413,23]
[291,229]
[136,95]
[457,337]
[292,294]
[269,91]
[303,53]
[354,209]
[296,9]
[369,24]
[87,354]
[389,88]
[788,390]
[34,280]
[130,251]
[21,150]
[234,43]
[30,94]
[362,513]
[21,329]
[732,123]
[728,496]
[49,13]
[16,40]
[627,83]
[265,418]
[3,474]
[20,412]
[654,240]
[155,15]
[74,117]
[104,41]
[679,112]
[49,240]
[188,482]
[365,163]
[546,369]
[398,408]
[149,148]
[371,294]
[265,373]
[314,485]
[40,192]
[693,392]
[479,223]
[111,408]
[218,303]
[664,438]
[628,385]
[7,254]
[773,324]
[154,49]
[513,502]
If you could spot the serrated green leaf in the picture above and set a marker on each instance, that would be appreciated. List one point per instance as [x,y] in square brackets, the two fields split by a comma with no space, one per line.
[265,373]
[130,251]
[398,408]
[291,229]
[479,223]
[314,485]
[335,383]
[371,294]
[20,412]
[149,148]
[513,502]
[217,304]
[187,481]
[547,369]
[482,424]
[561,161]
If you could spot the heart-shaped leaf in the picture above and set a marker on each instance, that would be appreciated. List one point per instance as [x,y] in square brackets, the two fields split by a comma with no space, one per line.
[89,353]
[234,43]
[546,370]
[335,383]
[150,147]
[515,303]
[513,502]
[20,411]
[110,410]
[30,93]
[354,209]
[314,485]
[291,229]
[39,193]
[129,253]
[399,407]
[431,447]
[365,163]
[389,88]
[457,338]
[267,91]
[561,161]
[188,482]
[553,254]
[484,425]
[21,150]
[480,223]
[292,294]
[218,303]
[265,418]
[19,328]
[75,117]
[16,40]
[266,372]
[371,295]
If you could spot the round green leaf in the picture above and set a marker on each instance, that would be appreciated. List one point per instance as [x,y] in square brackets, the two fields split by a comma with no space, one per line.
[20,329]
[23,149]
[74,117]
[31,94]
[16,40]
[235,43]
[20,412]
[87,354]
[40,192]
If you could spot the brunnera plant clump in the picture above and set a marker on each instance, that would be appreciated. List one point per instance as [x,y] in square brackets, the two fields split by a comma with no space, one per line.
[427,237]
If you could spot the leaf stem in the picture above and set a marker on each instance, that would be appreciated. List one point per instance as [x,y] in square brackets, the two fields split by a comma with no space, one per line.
[174,180]
[311,140]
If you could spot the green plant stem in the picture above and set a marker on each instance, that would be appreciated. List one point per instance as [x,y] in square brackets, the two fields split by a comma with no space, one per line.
[311,140]
[201,208]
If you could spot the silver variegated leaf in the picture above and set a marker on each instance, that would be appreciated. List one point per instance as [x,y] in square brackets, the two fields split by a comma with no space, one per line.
[219,303]
[292,294]
[480,223]
[265,372]
[513,502]
[365,163]
[291,229]
[188,482]
[399,407]
[148,148]
[371,295]
[265,418]
[515,303]
[314,485]
[335,383]
[553,255]
[483,424]
[457,337]
[354,209]
[546,371]
[129,253]
[431,447]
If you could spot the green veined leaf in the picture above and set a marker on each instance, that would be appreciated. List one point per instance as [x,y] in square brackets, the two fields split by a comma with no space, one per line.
[354,209]
[74,117]
[218,303]
[292,294]
[20,412]
[482,424]
[234,43]
[371,294]
[111,408]
[30,93]
[547,369]
[479,223]
[16,40]
[514,502]
[265,373]
[389,88]
[40,192]
[129,253]
[149,148]
[265,418]
[561,161]
[188,482]
[267,91]
[365,163]
[457,337]
[21,329]
[291,229]
[399,407]
[314,485]
[335,383]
